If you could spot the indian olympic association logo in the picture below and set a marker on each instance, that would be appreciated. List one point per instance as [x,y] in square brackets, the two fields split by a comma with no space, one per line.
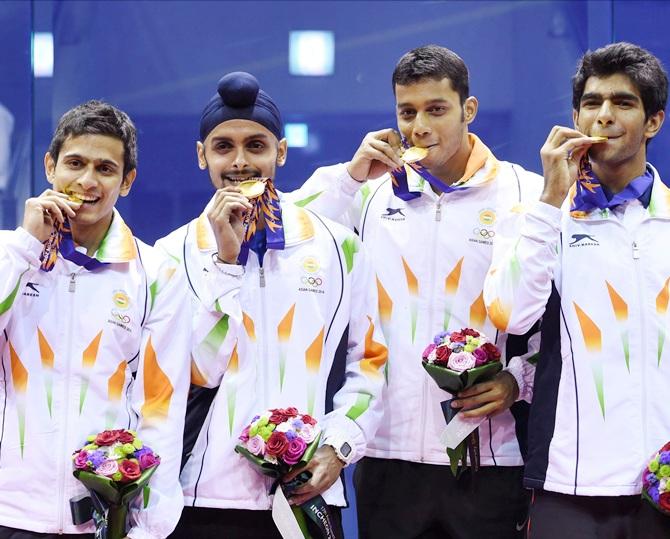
[118,317]
[311,264]
[484,233]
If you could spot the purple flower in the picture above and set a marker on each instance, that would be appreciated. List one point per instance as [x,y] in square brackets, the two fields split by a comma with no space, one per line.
[653,493]
[81,460]
[297,423]
[480,356]
[651,479]
[295,451]
[664,457]
[290,435]
[148,460]
[96,458]
[440,337]
[145,450]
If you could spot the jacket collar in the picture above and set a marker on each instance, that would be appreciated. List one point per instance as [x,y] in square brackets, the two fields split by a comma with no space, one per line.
[118,245]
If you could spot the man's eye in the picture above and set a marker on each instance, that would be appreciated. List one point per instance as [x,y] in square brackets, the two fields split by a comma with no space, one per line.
[437,110]
[256,145]
[406,113]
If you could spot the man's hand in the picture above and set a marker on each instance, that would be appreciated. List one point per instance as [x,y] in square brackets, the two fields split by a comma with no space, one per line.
[226,216]
[44,211]
[488,398]
[378,154]
[561,153]
[325,468]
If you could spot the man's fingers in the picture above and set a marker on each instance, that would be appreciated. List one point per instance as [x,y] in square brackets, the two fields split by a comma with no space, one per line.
[482,411]
[382,151]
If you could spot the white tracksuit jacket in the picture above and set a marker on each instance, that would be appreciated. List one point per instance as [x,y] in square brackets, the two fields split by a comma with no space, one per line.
[82,352]
[600,282]
[431,255]
[300,331]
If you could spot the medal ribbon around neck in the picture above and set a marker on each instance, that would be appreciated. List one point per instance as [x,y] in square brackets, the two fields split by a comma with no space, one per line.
[60,241]
[268,206]
[589,194]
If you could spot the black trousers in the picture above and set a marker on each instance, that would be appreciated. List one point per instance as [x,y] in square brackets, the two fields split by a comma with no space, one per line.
[559,516]
[407,500]
[13,533]
[203,523]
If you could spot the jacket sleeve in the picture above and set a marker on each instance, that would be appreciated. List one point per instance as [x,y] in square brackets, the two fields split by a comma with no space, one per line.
[217,321]
[159,399]
[525,259]
[19,260]
[333,193]
[357,406]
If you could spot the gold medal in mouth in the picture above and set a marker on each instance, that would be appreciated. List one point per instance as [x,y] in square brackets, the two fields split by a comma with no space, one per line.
[73,197]
[414,154]
[252,188]
[600,138]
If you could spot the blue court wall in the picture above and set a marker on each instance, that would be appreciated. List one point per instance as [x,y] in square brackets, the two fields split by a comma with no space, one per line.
[160,61]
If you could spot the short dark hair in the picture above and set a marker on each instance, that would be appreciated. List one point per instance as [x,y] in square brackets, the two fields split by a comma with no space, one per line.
[642,67]
[433,62]
[97,118]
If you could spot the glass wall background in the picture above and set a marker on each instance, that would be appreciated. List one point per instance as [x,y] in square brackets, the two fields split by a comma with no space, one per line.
[160,61]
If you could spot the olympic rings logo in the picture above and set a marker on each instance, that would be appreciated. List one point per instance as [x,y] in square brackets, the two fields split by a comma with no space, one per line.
[484,232]
[121,317]
[312,281]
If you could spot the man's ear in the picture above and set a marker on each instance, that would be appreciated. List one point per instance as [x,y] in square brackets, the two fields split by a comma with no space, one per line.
[49,167]
[127,182]
[470,108]
[282,151]
[653,124]
[575,118]
[200,149]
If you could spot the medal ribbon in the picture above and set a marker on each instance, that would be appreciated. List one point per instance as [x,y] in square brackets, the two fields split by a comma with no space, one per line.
[589,194]
[268,206]
[60,241]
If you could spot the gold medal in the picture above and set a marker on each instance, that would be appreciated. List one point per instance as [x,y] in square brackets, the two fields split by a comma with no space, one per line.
[414,154]
[252,188]
[600,139]
[73,197]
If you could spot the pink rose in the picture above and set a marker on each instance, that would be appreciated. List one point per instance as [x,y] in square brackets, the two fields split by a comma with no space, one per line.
[461,361]
[108,468]
[294,451]
[255,445]
[81,460]
[308,433]
[245,434]
[147,460]
[428,350]
[480,356]
[130,470]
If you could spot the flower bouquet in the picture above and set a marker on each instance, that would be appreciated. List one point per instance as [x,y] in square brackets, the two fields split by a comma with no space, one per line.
[115,467]
[279,441]
[456,361]
[656,480]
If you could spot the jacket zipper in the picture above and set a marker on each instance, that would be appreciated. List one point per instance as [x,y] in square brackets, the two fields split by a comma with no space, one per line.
[643,340]
[431,282]
[66,405]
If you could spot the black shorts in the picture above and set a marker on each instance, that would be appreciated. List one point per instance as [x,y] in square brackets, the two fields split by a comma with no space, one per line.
[202,522]
[402,500]
[559,516]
